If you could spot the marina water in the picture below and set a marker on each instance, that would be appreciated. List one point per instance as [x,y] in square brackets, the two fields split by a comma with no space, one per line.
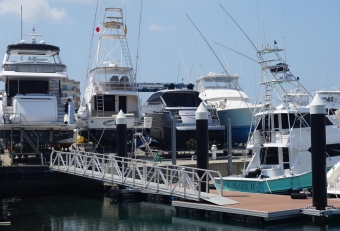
[97,212]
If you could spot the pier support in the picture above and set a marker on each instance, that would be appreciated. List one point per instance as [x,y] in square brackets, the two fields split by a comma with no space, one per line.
[202,143]
[230,155]
[318,146]
[121,136]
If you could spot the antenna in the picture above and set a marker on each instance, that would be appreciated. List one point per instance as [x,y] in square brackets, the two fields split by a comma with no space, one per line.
[140,22]
[21,28]
[184,65]
[21,24]
[33,35]
[179,67]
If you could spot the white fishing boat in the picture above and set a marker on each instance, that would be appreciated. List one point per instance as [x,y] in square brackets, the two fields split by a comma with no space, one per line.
[32,108]
[281,142]
[222,92]
[333,180]
[110,86]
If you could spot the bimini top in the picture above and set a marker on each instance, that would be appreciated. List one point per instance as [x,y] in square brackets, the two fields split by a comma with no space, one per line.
[38,49]
[111,70]
[216,77]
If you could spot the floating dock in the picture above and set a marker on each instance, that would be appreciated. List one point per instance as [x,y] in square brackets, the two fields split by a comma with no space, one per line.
[254,207]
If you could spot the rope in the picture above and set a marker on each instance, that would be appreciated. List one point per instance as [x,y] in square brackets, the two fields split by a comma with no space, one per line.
[268,187]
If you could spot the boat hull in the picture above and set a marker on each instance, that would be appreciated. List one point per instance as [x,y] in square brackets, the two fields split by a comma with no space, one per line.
[240,119]
[185,133]
[107,139]
[279,185]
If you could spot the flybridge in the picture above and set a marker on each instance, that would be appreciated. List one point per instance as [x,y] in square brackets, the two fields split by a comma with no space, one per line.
[154,87]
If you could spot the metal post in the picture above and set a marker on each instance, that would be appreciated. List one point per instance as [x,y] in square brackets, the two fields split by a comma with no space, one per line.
[202,143]
[12,158]
[173,139]
[318,147]
[230,155]
[121,137]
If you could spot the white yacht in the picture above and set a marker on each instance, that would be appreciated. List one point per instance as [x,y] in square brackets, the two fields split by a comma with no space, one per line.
[32,107]
[222,91]
[281,142]
[180,105]
[110,86]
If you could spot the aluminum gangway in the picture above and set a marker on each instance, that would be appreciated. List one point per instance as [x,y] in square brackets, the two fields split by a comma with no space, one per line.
[146,175]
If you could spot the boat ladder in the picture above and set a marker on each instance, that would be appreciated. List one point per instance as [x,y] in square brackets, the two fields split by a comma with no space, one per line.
[125,49]
[100,105]
[139,134]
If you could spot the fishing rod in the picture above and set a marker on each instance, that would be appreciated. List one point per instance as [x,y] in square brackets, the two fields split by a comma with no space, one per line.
[237,52]
[208,44]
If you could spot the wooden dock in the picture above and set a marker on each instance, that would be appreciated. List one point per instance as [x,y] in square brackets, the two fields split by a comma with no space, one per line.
[252,207]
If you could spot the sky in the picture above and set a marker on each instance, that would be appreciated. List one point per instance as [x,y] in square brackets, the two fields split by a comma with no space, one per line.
[170,49]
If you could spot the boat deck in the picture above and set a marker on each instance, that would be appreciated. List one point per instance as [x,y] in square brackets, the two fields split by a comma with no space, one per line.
[254,205]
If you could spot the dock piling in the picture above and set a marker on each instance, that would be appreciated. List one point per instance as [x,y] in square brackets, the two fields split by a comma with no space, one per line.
[318,147]
[202,143]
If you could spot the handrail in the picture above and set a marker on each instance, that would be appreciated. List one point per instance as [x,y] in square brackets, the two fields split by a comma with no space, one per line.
[22,117]
[170,179]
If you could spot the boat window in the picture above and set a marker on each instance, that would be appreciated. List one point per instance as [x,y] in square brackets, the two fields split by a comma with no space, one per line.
[109,103]
[27,86]
[276,121]
[333,149]
[269,155]
[181,99]
[155,98]
[295,121]
[259,125]
[285,155]
[331,111]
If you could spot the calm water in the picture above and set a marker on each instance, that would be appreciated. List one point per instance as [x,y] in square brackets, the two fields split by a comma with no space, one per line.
[100,213]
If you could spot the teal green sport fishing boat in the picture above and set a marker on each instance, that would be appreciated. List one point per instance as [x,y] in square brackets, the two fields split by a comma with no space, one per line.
[281,143]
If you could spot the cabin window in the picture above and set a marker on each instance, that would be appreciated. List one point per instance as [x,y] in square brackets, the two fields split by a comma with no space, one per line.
[155,98]
[259,125]
[109,103]
[269,155]
[276,121]
[333,149]
[295,121]
[64,87]
[187,99]
[285,155]
[27,86]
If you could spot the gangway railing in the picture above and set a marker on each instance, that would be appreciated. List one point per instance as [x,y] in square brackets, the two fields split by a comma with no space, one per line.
[168,179]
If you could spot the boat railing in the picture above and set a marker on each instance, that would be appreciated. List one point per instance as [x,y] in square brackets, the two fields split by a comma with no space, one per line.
[169,179]
[115,85]
[35,68]
[14,118]
[263,136]
[19,120]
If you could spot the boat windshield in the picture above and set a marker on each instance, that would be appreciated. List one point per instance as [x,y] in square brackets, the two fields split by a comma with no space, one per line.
[217,82]
[33,59]
[181,99]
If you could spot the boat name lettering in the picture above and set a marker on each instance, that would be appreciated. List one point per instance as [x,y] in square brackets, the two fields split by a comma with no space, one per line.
[241,186]
[109,122]
[187,113]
